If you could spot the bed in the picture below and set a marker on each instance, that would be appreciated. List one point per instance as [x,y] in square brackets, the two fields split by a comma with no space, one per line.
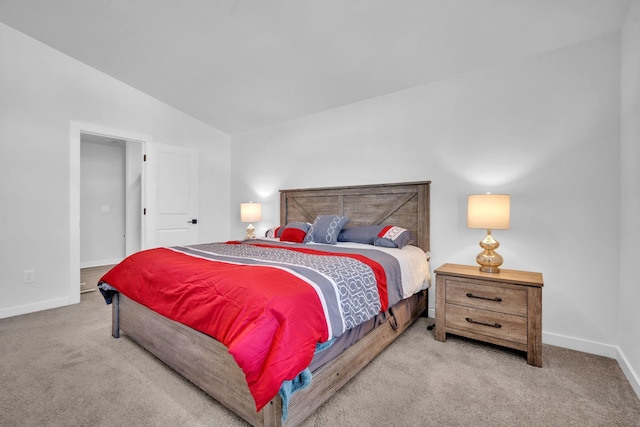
[209,364]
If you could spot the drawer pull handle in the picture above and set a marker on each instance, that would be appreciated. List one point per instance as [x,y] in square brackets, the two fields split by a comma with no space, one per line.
[493,325]
[496,299]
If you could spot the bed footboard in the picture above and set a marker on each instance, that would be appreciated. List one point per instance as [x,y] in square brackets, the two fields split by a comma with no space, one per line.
[207,363]
[194,355]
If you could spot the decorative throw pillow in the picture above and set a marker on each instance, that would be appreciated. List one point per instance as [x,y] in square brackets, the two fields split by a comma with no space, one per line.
[393,237]
[360,233]
[294,232]
[274,232]
[325,229]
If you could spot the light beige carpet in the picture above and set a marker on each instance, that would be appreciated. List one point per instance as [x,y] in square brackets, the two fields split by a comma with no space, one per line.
[61,367]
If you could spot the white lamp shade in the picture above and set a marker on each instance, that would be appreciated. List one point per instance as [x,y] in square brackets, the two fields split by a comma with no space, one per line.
[250,212]
[490,211]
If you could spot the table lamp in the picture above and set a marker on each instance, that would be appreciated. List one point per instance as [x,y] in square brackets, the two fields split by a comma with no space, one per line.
[490,211]
[250,212]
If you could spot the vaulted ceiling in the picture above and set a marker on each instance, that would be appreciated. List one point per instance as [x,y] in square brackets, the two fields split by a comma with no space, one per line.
[242,64]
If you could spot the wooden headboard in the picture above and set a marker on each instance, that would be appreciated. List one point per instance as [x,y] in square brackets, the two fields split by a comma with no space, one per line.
[405,205]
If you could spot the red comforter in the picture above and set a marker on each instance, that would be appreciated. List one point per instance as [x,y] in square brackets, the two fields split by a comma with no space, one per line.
[270,320]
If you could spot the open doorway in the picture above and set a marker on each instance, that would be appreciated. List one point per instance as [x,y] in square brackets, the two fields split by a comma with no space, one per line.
[107,189]
[102,200]
[110,201]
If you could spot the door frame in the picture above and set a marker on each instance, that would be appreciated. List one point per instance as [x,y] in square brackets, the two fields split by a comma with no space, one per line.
[76,129]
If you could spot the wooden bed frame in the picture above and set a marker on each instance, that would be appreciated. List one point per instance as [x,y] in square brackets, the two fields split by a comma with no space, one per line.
[207,363]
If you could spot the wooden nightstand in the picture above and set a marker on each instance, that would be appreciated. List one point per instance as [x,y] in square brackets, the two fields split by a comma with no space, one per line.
[502,308]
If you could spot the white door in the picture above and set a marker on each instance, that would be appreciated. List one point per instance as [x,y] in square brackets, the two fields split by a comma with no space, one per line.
[171,196]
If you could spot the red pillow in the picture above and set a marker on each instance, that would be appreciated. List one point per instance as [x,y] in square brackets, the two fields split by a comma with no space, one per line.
[294,232]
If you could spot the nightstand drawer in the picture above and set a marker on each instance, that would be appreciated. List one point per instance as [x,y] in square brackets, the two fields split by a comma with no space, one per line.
[503,326]
[487,297]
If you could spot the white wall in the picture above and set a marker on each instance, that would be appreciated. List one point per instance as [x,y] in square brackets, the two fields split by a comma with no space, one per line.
[629,315]
[43,91]
[102,204]
[544,129]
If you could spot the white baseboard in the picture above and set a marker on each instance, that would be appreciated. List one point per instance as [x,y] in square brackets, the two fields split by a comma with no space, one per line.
[585,346]
[31,308]
[590,347]
[599,349]
[629,372]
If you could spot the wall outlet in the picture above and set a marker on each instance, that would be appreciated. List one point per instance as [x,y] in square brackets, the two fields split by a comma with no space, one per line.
[29,276]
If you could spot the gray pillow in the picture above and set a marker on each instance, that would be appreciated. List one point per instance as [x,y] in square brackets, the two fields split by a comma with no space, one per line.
[325,229]
[360,234]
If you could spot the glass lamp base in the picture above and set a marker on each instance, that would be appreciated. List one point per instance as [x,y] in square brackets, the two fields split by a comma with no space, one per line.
[489,259]
[250,232]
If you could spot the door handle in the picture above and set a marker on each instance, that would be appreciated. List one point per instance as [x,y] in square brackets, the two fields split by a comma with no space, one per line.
[193,221]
